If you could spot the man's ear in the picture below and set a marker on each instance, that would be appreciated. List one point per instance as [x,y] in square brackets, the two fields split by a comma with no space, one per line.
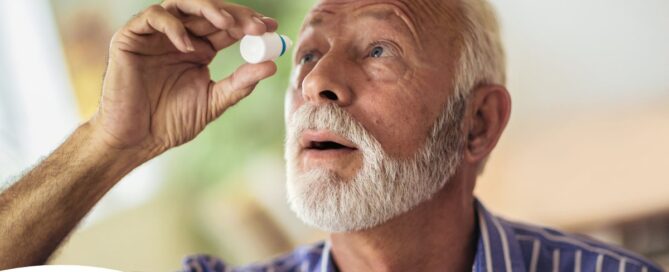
[489,111]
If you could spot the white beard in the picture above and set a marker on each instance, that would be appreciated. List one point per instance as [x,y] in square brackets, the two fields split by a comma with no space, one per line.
[384,187]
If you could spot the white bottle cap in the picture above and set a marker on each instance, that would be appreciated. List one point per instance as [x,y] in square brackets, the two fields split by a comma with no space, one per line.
[269,46]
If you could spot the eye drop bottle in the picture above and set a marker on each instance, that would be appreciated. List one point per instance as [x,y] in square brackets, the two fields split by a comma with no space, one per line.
[269,46]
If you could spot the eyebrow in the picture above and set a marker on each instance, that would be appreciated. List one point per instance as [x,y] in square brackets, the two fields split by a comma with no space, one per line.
[316,21]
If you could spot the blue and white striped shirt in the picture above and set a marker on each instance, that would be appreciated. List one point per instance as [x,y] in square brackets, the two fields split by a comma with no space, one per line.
[502,246]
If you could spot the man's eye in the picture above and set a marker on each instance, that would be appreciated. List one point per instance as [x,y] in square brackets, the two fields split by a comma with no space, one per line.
[376,52]
[308,57]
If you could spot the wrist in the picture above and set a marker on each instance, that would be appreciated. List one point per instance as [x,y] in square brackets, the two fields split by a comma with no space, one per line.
[101,152]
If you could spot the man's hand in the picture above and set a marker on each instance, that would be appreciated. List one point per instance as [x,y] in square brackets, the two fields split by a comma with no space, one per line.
[158,91]
[157,94]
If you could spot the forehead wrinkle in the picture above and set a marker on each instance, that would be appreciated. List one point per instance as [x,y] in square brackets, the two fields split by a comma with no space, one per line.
[432,14]
[377,14]
[440,23]
[397,10]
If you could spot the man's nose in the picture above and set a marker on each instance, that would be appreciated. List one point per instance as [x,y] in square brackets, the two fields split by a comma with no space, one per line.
[328,82]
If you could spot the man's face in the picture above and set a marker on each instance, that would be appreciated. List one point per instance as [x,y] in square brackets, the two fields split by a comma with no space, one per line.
[381,77]
[383,72]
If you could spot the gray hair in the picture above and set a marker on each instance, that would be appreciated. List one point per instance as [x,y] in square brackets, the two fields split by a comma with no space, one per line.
[481,60]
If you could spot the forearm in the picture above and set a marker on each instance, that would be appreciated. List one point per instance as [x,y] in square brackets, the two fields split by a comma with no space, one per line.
[42,208]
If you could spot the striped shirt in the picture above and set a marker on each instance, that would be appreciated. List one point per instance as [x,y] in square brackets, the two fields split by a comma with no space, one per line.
[502,246]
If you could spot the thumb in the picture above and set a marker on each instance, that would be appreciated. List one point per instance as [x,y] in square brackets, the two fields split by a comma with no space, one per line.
[228,91]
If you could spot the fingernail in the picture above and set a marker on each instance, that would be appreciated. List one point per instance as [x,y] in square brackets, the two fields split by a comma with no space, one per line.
[258,20]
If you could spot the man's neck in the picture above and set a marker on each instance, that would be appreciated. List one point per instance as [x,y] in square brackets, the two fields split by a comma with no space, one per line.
[437,235]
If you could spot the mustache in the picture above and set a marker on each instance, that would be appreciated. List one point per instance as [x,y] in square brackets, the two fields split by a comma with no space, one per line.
[329,117]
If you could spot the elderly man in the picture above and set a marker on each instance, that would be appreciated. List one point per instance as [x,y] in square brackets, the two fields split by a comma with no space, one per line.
[393,108]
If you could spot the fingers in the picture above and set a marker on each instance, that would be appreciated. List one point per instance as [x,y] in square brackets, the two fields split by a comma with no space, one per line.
[221,39]
[218,39]
[200,26]
[247,20]
[203,8]
[253,24]
[157,19]
[272,25]
[220,24]
[232,89]
[224,16]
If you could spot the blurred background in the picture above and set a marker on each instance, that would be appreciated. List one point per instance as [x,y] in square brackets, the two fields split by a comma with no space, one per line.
[586,149]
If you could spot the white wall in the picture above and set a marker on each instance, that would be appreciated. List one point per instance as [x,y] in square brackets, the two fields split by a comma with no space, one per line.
[587,142]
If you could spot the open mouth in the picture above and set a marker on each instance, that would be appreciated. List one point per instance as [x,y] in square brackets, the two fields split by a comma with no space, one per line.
[327,145]
[325,141]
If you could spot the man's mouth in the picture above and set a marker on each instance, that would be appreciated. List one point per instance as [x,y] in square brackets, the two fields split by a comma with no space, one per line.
[320,141]
[325,149]
[326,145]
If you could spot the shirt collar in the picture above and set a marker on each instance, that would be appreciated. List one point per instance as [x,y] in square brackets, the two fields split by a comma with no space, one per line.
[326,263]
[497,249]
